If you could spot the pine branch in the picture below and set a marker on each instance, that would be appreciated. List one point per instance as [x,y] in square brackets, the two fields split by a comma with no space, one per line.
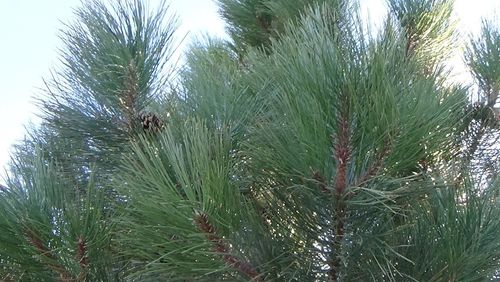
[264,24]
[411,43]
[342,153]
[376,165]
[130,94]
[81,257]
[320,179]
[220,247]
[476,140]
[477,134]
[50,259]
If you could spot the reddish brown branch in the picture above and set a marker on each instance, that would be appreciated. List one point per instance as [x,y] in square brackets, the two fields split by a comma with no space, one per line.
[342,153]
[220,247]
[50,259]
[81,257]
[81,252]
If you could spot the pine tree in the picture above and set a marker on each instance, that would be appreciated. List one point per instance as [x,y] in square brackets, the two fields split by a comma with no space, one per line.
[308,147]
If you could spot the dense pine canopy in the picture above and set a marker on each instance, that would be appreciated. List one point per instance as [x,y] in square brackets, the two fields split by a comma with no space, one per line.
[307,147]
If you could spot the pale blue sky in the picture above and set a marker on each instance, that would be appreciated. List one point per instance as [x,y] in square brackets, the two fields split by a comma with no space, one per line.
[29,42]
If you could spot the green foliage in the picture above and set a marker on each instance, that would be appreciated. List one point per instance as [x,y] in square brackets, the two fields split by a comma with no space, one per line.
[384,114]
[480,126]
[214,88]
[428,29]
[170,183]
[114,64]
[50,231]
[483,58]
[390,128]
[252,23]
[304,149]
[462,245]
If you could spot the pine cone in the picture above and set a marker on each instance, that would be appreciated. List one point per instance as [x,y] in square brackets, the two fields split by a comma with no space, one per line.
[150,122]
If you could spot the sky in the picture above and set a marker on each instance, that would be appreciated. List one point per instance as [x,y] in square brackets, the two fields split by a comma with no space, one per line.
[29,46]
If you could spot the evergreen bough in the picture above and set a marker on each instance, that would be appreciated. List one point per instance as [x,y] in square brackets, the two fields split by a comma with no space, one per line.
[307,147]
